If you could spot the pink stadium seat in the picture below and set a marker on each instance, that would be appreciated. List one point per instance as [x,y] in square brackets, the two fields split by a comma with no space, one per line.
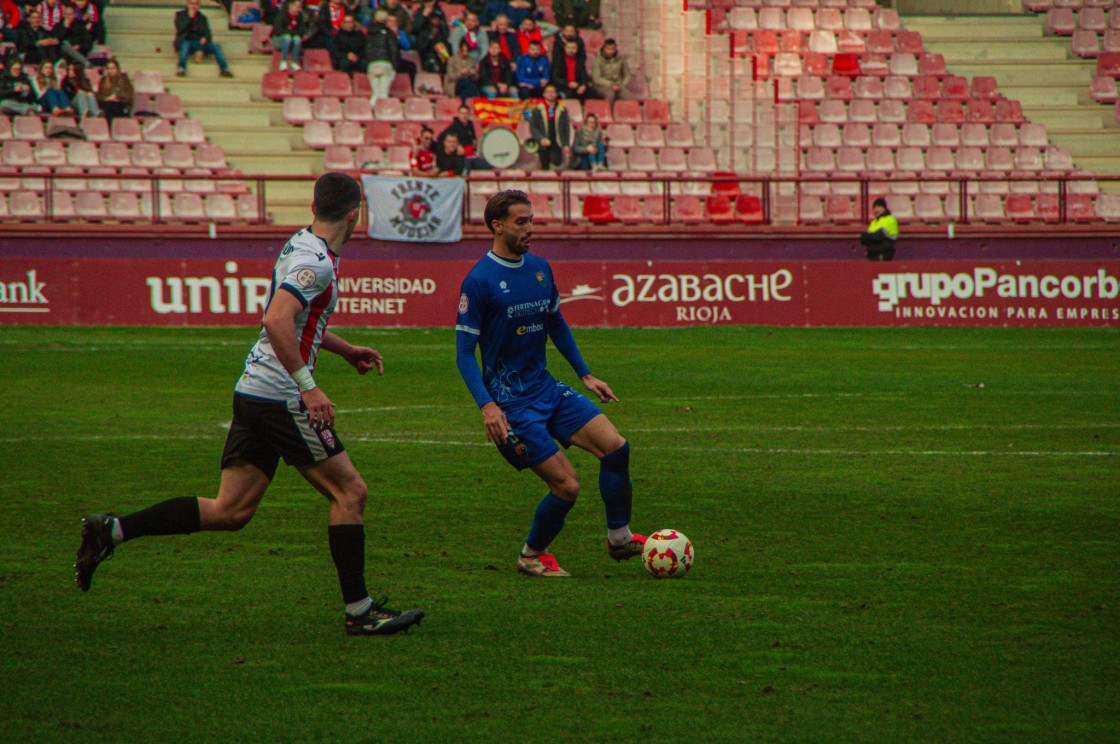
[1009,111]
[999,159]
[807,112]
[945,135]
[297,110]
[627,112]
[810,208]
[398,156]
[326,108]
[928,208]
[811,87]
[771,19]
[25,205]
[970,160]
[916,135]
[815,64]
[575,111]
[838,88]
[880,159]
[361,85]
[856,135]
[620,135]
[28,128]
[823,42]
[50,153]
[832,111]
[850,160]
[1092,19]
[1060,21]
[1108,207]
[1004,135]
[1110,42]
[305,83]
[169,106]
[927,86]
[446,108]
[220,208]
[82,155]
[886,18]
[679,135]
[920,112]
[1047,206]
[850,42]
[892,110]
[407,133]
[857,19]
[115,155]
[901,205]
[839,209]
[988,208]
[940,159]
[908,41]
[787,64]
[317,60]
[1057,159]
[276,85]
[147,155]
[1085,43]
[867,87]
[742,19]
[349,133]
[886,135]
[792,42]
[980,111]
[388,109]
[701,160]
[800,19]
[210,156]
[931,64]
[379,133]
[670,159]
[973,135]
[1028,159]
[147,81]
[1114,18]
[628,209]
[178,155]
[1079,208]
[355,108]
[1103,90]
[905,65]
[90,205]
[126,130]
[261,40]
[826,135]
[189,131]
[366,155]
[687,208]
[317,135]
[655,111]
[880,42]
[649,135]
[159,131]
[600,108]
[188,207]
[820,160]
[337,84]
[428,83]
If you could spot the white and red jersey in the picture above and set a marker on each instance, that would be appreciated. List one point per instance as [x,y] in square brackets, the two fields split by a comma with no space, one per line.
[309,270]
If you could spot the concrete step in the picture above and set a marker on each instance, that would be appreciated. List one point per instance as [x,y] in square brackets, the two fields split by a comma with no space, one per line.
[252,120]
[255,142]
[1070,74]
[982,49]
[1001,26]
[160,19]
[1102,143]
[201,93]
[1064,117]
[295,163]
[147,43]
[1043,95]
[1105,166]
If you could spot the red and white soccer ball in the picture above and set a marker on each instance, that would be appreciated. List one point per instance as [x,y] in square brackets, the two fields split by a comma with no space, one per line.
[667,553]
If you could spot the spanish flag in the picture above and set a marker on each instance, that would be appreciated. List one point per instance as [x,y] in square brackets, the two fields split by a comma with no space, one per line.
[499,111]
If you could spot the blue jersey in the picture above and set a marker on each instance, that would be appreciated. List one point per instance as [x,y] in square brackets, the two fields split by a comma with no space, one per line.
[510,309]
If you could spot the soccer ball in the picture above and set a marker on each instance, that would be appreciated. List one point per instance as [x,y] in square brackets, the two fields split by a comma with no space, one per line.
[667,553]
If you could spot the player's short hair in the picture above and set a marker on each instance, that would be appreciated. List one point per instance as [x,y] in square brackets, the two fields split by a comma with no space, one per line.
[336,194]
[497,208]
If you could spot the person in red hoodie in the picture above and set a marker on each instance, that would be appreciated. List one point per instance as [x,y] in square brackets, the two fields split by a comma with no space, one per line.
[10,17]
[527,33]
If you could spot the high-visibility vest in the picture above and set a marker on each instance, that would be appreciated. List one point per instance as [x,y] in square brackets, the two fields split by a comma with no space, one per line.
[887,223]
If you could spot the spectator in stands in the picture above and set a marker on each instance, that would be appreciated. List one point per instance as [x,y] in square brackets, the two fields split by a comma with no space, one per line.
[495,74]
[424,11]
[473,34]
[514,10]
[463,129]
[349,53]
[17,95]
[50,14]
[506,38]
[398,11]
[461,77]
[192,36]
[74,40]
[551,128]
[90,17]
[581,13]
[569,33]
[289,30]
[423,159]
[588,146]
[527,33]
[383,53]
[36,43]
[270,9]
[360,9]
[881,233]
[403,43]
[532,72]
[569,76]
[432,45]
[79,89]
[610,74]
[450,160]
[52,99]
[114,92]
[328,22]
[10,16]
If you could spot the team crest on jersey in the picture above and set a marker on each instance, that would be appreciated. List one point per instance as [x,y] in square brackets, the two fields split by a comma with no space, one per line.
[464,303]
[305,278]
[540,277]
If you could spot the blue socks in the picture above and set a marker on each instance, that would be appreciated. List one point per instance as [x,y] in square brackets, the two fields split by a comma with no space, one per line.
[547,522]
[614,486]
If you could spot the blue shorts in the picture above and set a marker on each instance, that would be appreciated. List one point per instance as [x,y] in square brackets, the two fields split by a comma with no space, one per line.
[535,428]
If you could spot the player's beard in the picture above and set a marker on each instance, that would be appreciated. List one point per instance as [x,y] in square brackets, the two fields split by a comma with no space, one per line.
[518,246]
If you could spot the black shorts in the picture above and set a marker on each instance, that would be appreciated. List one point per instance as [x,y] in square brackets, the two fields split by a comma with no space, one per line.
[263,431]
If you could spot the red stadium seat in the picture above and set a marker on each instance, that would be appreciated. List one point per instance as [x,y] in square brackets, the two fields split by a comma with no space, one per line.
[597,209]
[1060,21]
[950,111]
[931,64]
[276,86]
[401,86]
[838,88]
[748,209]
[1103,90]
[927,86]
[308,84]
[807,112]
[379,133]
[810,209]
[317,60]
[954,87]
[1108,63]
[655,111]
[261,40]
[337,84]
[650,135]
[356,108]
[867,87]
[678,135]
[326,108]
[600,108]
[627,112]
[839,209]
[628,209]
[810,87]
[1009,111]
[687,208]
[846,65]
[189,131]
[1085,43]
[908,41]
[921,112]
[718,209]
[886,18]
[880,42]
[892,110]
[388,109]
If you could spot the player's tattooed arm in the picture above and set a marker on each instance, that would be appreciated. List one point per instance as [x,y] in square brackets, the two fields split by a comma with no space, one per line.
[361,358]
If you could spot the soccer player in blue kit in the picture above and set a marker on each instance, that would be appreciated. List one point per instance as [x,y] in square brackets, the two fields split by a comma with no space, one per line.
[509,307]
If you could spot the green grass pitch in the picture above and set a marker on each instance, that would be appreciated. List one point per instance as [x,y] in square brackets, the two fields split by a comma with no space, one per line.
[901,535]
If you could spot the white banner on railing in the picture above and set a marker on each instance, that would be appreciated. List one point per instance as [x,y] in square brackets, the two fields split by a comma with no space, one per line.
[428,210]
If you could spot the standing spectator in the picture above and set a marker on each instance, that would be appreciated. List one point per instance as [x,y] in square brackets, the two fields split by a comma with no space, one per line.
[10,16]
[581,13]
[74,40]
[473,34]
[495,74]
[192,36]
[424,11]
[450,160]
[532,72]
[383,53]
[50,14]
[588,146]
[550,126]
[610,74]
[569,76]
[289,30]
[327,25]
[114,92]
[52,99]
[36,43]
[461,77]
[79,89]
[423,158]
[17,95]
[90,17]
[515,10]
[403,42]
[349,53]
[527,33]
[881,233]
[431,45]
[398,11]
[569,33]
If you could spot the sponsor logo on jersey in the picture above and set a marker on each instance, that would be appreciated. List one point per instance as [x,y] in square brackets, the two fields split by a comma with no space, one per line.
[531,328]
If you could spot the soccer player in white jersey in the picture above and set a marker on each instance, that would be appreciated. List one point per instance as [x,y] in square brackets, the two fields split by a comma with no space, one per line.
[509,307]
[280,412]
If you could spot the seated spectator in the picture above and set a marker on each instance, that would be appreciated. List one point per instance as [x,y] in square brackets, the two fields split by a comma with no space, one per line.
[52,99]
[269,10]
[35,43]
[383,52]
[17,94]
[10,17]
[90,17]
[527,33]
[290,29]
[569,33]
[881,233]
[532,72]
[398,11]
[463,129]
[610,74]
[461,76]
[551,128]
[328,22]
[506,38]
[473,34]
[114,92]
[588,146]
[361,11]
[580,13]
[495,74]
[349,53]
[514,10]
[450,160]
[50,13]
[79,89]
[432,45]
[74,41]
[569,76]
[423,159]
[192,36]
[424,11]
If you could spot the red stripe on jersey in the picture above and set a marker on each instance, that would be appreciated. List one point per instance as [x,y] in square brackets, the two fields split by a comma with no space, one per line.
[311,327]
